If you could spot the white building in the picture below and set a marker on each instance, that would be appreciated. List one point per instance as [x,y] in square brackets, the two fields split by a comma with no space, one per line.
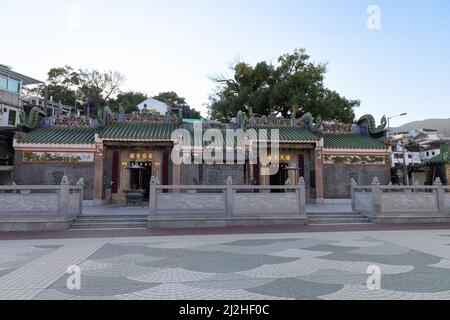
[154,105]
[54,109]
[11,84]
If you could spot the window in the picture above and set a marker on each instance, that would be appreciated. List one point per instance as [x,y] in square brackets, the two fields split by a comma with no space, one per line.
[13,85]
[12,118]
[9,84]
[3,82]
[428,153]
[433,153]
[354,176]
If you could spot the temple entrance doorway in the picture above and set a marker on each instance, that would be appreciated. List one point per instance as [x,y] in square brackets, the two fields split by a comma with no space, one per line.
[280,177]
[141,180]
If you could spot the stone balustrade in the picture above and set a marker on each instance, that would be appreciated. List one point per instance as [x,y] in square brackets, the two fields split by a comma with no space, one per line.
[402,204]
[207,206]
[40,208]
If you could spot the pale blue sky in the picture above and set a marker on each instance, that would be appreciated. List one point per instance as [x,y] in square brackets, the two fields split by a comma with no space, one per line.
[177,44]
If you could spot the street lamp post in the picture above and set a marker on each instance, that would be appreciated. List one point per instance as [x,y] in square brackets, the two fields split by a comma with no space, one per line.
[405,169]
[389,118]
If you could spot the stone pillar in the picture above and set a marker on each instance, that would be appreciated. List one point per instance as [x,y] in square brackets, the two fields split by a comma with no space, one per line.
[301,196]
[376,196]
[319,175]
[229,197]
[98,175]
[440,200]
[176,175]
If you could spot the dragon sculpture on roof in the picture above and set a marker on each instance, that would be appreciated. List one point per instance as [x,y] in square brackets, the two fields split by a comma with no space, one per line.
[367,122]
[31,120]
[307,121]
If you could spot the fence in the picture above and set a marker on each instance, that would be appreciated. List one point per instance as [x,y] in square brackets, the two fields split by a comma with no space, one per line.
[226,205]
[46,207]
[413,203]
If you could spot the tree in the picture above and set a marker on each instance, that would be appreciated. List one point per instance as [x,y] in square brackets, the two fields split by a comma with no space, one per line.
[128,100]
[62,84]
[4,66]
[295,83]
[97,87]
[174,101]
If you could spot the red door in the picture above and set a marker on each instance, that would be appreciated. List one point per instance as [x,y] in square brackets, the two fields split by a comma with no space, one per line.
[115,173]
[301,165]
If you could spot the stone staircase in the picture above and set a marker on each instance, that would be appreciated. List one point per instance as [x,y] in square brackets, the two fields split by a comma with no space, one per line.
[125,221]
[336,218]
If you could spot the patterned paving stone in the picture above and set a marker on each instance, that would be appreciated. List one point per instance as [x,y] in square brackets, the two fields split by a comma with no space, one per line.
[414,265]
[296,289]
[97,286]
[219,262]
[411,257]
[228,281]
[330,276]
[175,291]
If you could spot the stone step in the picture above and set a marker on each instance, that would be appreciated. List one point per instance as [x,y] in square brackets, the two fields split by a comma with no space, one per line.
[334,213]
[113,216]
[338,220]
[334,216]
[107,220]
[109,225]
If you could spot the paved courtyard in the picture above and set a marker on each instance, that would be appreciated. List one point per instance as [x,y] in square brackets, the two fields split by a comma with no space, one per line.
[414,265]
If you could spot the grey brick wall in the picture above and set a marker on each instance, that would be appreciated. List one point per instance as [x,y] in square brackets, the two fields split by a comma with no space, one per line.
[336,179]
[211,174]
[49,173]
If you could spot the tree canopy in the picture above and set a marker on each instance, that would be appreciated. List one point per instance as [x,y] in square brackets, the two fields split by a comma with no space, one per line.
[82,87]
[294,84]
[5,66]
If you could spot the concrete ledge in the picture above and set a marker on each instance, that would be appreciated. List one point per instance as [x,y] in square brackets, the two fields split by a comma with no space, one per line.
[410,218]
[196,222]
[20,225]
[337,201]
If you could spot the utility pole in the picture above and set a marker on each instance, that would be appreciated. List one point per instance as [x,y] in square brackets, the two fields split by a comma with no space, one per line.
[405,167]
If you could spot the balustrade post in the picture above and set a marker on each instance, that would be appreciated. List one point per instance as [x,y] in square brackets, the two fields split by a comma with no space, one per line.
[152,196]
[64,195]
[376,196]
[440,201]
[229,197]
[301,196]
[353,185]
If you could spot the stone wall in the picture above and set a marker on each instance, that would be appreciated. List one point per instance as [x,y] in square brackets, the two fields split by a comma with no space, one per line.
[50,173]
[211,174]
[336,179]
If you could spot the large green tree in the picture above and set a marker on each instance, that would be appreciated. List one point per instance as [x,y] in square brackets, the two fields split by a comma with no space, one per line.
[172,99]
[89,88]
[128,101]
[294,83]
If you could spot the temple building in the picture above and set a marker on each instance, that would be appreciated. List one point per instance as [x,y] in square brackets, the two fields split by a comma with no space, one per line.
[121,155]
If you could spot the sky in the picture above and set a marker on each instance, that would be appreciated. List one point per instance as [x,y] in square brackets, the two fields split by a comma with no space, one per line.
[397,63]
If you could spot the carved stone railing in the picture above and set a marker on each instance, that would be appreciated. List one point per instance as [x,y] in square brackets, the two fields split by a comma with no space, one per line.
[37,208]
[223,204]
[417,203]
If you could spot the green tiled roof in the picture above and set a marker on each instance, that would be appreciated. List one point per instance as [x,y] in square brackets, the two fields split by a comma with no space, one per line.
[351,141]
[139,132]
[294,135]
[59,136]
[440,159]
